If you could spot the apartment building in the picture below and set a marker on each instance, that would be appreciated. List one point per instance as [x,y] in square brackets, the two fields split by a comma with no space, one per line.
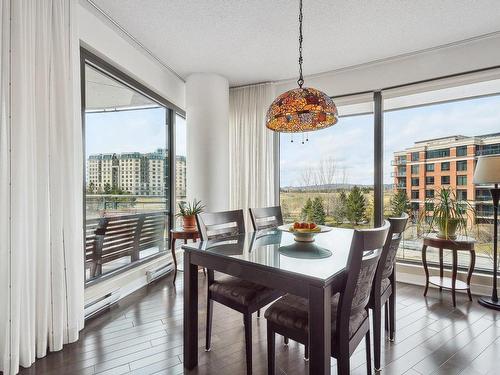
[429,165]
[134,172]
[180,176]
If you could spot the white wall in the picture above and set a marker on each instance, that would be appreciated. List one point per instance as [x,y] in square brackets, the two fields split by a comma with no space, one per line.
[108,42]
[103,39]
[207,111]
[458,58]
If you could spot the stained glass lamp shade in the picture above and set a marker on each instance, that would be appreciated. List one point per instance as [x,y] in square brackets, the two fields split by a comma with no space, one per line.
[301,110]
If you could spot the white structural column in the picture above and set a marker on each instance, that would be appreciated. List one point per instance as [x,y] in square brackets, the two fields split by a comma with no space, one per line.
[207,114]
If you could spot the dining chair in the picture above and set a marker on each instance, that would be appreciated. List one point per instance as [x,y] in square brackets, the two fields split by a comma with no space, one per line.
[240,295]
[350,322]
[266,217]
[384,286]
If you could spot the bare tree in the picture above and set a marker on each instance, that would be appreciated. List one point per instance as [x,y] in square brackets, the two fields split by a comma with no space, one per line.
[307,177]
[326,173]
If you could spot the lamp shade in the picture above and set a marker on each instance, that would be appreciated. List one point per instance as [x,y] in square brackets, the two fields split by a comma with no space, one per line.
[487,170]
[301,110]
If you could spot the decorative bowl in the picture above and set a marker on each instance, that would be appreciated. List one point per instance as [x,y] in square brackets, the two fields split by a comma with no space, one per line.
[304,235]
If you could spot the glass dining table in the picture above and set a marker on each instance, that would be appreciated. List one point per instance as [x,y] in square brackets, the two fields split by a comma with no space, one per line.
[274,259]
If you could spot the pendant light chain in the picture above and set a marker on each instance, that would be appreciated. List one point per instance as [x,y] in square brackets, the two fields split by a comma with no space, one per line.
[300,81]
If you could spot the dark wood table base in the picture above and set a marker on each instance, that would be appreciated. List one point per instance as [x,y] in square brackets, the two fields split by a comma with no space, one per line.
[462,243]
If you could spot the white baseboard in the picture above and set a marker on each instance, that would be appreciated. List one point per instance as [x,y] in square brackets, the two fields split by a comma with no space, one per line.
[126,282]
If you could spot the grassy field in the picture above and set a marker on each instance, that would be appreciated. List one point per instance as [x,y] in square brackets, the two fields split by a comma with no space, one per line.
[410,248]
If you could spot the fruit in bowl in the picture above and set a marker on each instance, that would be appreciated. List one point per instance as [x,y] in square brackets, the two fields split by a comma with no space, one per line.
[305,227]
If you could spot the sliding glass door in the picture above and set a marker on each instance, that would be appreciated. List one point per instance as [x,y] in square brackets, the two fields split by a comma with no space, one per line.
[128,153]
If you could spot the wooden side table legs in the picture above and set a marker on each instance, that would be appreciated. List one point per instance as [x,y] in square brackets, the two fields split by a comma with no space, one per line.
[424,262]
[175,258]
[441,268]
[470,271]
[454,271]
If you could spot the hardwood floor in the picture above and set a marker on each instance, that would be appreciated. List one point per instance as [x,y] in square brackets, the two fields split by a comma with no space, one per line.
[143,335]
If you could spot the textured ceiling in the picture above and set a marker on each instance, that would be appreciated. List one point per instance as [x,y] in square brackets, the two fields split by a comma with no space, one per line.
[256,40]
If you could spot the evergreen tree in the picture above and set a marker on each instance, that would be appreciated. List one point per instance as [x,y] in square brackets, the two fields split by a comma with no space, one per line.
[318,214]
[356,206]
[305,214]
[399,203]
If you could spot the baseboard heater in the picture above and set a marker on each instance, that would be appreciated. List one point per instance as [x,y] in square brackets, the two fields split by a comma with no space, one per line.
[100,304]
[161,271]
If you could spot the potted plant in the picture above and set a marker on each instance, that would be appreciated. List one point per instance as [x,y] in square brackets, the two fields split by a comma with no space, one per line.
[447,214]
[188,212]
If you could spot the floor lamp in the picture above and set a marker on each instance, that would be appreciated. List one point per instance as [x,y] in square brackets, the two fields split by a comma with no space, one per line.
[488,172]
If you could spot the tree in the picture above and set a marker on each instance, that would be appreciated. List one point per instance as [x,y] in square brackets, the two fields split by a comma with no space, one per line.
[307,178]
[339,207]
[356,206]
[91,188]
[318,214]
[399,203]
[107,188]
[306,212]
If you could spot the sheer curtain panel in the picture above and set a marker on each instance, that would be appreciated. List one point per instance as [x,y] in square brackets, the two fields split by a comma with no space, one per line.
[41,240]
[252,148]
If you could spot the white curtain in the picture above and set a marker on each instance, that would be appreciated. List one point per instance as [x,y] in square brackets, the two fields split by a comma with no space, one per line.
[251,148]
[41,240]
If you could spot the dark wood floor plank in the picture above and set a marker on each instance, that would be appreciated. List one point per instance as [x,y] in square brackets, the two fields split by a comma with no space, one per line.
[142,334]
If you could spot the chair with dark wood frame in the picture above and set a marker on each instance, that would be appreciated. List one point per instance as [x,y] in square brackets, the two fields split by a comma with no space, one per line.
[266,217]
[240,295]
[350,322]
[384,286]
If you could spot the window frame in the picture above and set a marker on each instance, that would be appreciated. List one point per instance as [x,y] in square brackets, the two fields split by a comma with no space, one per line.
[447,163]
[110,70]
[461,163]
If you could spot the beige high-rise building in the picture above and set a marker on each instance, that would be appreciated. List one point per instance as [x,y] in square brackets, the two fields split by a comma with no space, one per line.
[180,177]
[133,173]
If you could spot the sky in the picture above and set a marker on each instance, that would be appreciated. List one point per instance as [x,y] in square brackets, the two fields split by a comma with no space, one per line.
[350,142]
[129,131]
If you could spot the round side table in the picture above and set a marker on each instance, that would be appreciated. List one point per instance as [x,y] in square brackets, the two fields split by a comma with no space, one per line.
[461,243]
[181,234]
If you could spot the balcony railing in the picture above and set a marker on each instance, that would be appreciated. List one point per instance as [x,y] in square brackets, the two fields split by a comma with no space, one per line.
[398,161]
[398,174]
[116,241]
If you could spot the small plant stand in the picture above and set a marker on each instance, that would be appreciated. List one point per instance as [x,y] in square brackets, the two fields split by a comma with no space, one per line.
[461,243]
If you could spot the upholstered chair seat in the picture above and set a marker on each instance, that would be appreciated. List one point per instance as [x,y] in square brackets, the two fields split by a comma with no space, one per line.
[241,292]
[292,312]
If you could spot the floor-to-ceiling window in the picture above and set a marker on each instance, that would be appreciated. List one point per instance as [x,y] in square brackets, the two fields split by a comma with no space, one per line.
[127,169]
[180,161]
[431,146]
[433,133]
[327,176]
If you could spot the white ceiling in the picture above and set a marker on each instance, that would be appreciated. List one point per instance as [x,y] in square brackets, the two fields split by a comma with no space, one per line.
[256,40]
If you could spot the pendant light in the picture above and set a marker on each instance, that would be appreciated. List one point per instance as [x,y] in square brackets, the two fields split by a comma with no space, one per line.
[303,109]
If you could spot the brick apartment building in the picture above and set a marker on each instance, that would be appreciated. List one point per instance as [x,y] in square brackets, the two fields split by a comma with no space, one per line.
[423,169]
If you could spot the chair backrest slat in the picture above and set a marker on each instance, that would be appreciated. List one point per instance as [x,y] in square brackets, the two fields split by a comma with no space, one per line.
[266,217]
[388,257]
[220,224]
[364,255]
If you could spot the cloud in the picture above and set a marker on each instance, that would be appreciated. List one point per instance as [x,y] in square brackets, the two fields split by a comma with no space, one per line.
[350,142]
